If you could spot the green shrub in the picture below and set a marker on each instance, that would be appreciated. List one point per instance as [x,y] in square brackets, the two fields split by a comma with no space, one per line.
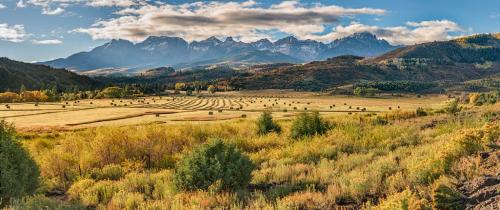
[214,165]
[421,112]
[380,121]
[402,200]
[479,99]
[92,193]
[265,124]
[42,202]
[308,124]
[363,91]
[111,92]
[109,172]
[19,174]
[452,107]
[446,197]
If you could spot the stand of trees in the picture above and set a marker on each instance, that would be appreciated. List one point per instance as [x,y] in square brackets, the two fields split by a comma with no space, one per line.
[401,86]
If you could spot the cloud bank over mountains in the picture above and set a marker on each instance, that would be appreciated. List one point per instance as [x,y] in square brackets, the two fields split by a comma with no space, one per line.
[249,21]
[135,20]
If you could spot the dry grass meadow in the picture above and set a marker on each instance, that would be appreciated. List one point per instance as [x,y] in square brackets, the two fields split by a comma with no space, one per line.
[372,153]
[224,106]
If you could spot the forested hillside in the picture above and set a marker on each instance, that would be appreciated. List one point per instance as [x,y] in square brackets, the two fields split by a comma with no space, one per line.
[14,74]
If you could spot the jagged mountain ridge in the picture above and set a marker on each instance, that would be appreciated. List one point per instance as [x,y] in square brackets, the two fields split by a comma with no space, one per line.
[457,60]
[159,51]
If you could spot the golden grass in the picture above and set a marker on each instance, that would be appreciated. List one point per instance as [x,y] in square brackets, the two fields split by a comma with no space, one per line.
[105,112]
[357,164]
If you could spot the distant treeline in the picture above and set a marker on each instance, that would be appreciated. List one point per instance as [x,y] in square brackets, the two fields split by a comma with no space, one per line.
[397,86]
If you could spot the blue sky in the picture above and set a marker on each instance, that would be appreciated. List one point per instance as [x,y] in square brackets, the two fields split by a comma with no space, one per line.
[40,30]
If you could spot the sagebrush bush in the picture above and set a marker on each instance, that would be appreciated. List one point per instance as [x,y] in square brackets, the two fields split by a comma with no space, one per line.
[42,202]
[446,197]
[420,112]
[309,124]
[214,165]
[110,172]
[265,124]
[403,200]
[379,121]
[19,174]
[452,107]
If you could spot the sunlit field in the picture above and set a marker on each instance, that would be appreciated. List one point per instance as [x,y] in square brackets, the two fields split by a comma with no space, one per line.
[66,115]
[388,152]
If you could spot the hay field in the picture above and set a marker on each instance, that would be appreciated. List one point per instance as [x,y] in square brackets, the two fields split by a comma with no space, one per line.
[69,115]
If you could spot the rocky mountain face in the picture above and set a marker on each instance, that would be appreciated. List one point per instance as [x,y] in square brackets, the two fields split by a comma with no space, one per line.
[159,51]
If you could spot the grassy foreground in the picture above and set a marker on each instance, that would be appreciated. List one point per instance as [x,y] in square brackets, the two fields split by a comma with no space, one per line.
[394,160]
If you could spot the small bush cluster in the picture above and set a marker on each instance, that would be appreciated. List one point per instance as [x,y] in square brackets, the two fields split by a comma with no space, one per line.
[309,124]
[452,107]
[25,96]
[108,172]
[365,92]
[421,112]
[215,166]
[479,99]
[446,196]
[265,124]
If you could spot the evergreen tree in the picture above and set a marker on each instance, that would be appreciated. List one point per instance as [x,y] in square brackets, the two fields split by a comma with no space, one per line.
[19,174]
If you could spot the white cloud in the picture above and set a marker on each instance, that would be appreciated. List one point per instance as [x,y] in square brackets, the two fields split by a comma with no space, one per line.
[93,3]
[13,33]
[412,33]
[2,6]
[246,20]
[60,5]
[21,4]
[112,3]
[47,42]
[56,11]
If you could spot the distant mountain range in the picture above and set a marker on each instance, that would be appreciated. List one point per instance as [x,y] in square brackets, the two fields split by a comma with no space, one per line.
[458,60]
[178,53]
[462,59]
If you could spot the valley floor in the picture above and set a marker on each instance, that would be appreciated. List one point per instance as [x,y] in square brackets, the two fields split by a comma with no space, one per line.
[377,159]
[224,106]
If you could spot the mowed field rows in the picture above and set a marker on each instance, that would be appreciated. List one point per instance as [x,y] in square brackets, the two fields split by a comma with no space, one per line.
[171,109]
